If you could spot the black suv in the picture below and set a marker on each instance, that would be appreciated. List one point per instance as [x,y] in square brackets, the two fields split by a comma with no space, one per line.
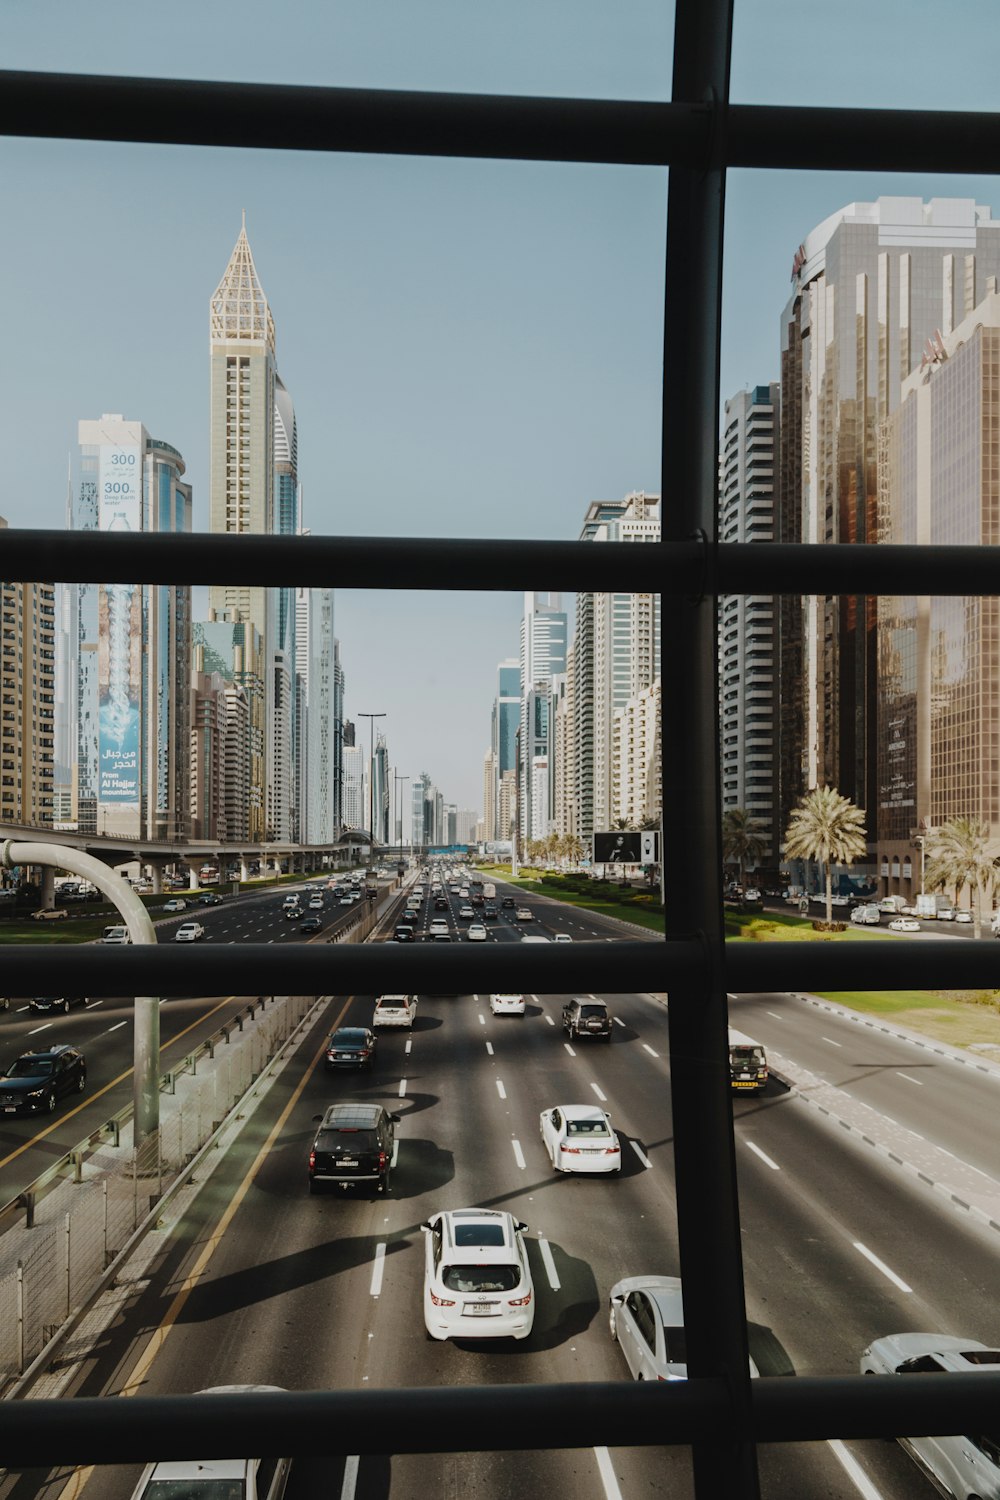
[507,901]
[37,1079]
[354,1143]
[586,1018]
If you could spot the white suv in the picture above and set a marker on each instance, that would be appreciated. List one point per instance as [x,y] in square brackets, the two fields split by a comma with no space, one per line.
[394,1010]
[477,1282]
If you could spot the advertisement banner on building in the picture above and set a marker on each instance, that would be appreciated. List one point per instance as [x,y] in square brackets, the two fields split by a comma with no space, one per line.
[119,673]
[623,848]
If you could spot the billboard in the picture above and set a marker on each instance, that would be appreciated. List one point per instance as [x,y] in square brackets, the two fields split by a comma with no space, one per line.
[629,846]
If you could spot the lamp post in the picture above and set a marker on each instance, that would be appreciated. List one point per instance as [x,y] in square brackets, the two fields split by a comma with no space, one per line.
[399,812]
[371,777]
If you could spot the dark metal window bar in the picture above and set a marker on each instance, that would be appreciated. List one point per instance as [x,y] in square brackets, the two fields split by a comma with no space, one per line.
[718,1411]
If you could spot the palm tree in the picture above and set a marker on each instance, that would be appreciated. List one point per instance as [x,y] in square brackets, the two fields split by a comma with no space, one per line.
[742,840]
[956,854]
[826,827]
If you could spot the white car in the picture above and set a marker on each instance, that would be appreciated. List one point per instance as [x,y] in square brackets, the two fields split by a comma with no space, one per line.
[959,1465]
[250,1478]
[347,900]
[945,914]
[438,927]
[579,1138]
[646,1316]
[904,924]
[963,916]
[189,932]
[477,1281]
[507,1005]
[466,911]
[175,905]
[394,1010]
[316,903]
[562,937]
[866,916]
[477,932]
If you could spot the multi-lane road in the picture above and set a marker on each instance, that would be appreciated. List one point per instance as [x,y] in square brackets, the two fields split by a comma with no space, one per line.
[318,1292]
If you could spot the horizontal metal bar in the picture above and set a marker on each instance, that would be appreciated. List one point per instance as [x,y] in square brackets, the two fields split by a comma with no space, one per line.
[459,1419]
[431,968]
[686,567]
[79,106]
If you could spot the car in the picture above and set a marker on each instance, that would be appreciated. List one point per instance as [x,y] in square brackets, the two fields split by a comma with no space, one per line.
[959,1465]
[403,932]
[351,1047]
[477,932]
[394,1010]
[866,916]
[36,1080]
[441,903]
[579,1138]
[522,914]
[311,924]
[507,902]
[562,937]
[354,1144]
[116,934]
[441,937]
[316,903]
[437,927]
[489,912]
[189,932]
[293,913]
[507,1005]
[46,1004]
[247,1478]
[586,1018]
[945,914]
[751,893]
[466,911]
[646,1319]
[347,900]
[175,904]
[477,1281]
[904,924]
[209,898]
[49,914]
[961,915]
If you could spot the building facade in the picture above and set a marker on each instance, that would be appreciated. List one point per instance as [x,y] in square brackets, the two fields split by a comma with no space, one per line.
[27,701]
[543,654]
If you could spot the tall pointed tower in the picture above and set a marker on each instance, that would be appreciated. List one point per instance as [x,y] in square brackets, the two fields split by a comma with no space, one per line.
[241,496]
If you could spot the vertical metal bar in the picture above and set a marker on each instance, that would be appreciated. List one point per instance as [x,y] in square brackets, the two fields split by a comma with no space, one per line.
[68,1248]
[104,1205]
[20,1317]
[707,1209]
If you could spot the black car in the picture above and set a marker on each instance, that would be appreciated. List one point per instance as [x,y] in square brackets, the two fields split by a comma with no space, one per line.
[440,903]
[293,913]
[490,912]
[351,1047]
[209,898]
[507,901]
[47,1003]
[404,932]
[354,1144]
[311,924]
[38,1079]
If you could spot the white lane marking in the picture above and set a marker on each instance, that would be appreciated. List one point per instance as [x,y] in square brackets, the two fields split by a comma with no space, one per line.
[501,1090]
[21,1007]
[606,1470]
[830,1041]
[880,1265]
[533,999]
[350,1484]
[569,1049]
[640,1154]
[650,1050]
[482,1020]
[402,1088]
[854,1471]
[518,1154]
[763,1156]
[92,1004]
[117,1027]
[548,1019]
[774,1015]
[549,1263]
[409,1044]
[618,1021]
[489,1048]
[918,1081]
[378,1269]
[603,1097]
[40,1028]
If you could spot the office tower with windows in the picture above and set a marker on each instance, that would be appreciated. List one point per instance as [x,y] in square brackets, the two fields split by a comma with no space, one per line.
[316,716]
[489,795]
[748,646]
[128,709]
[27,701]
[285,795]
[543,654]
[234,650]
[871,286]
[503,738]
[355,808]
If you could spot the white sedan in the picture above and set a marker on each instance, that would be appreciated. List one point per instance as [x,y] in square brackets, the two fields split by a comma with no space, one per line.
[963,916]
[646,1317]
[189,932]
[466,911]
[507,1005]
[477,1281]
[477,932]
[579,1138]
[904,924]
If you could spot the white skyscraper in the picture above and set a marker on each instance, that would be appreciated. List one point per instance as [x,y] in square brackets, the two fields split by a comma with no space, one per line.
[543,655]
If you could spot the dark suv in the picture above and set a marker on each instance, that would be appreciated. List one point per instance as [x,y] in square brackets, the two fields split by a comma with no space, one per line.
[586,1018]
[354,1143]
[37,1079]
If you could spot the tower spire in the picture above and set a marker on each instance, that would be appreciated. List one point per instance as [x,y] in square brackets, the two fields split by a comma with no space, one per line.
[239,309]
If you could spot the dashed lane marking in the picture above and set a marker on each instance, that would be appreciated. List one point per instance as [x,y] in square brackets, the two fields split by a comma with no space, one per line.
[402,1088]
[880,1265]
[549,1264]
[569,1049]
[518,1154]
[652,1052]
[641,1155]
[378,1269]
[500,1089]
[605,1469]
[489,1048]
[603,1097]
[763,1156]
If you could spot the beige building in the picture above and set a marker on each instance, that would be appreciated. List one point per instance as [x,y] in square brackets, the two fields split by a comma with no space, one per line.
[636,774]
[27,699]
[489,798]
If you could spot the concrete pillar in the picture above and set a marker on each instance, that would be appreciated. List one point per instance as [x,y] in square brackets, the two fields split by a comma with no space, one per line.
[193,879]
[156,876]
[48,888]
[244,867]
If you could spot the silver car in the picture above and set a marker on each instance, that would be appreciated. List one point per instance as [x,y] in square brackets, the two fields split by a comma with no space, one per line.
[960,1465]
[646,1317]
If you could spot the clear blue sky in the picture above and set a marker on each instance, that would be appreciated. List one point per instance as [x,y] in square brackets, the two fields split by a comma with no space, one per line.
[473,348]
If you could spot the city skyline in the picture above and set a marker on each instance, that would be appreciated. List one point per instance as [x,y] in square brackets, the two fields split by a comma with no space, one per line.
[427,308]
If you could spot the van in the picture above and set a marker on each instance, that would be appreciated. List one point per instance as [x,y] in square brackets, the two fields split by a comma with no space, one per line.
[747,1063]
[116,934]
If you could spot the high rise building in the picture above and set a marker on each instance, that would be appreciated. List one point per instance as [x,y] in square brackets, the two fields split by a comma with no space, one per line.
[220,754]
[748,647]
[27,701]
[939,688]
[543,654]
[284,795]
[234,650]
[380,790]
[316,717]
[128,709]
[503,737]
[616,656]
[355,807]
[490,791]
[637,787]
[870,286]
[244,391]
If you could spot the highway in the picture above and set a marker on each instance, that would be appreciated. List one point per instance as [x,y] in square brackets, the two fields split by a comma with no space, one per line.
[318,1292]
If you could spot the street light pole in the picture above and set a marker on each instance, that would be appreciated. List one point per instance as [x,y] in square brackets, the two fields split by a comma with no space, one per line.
[371,778]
